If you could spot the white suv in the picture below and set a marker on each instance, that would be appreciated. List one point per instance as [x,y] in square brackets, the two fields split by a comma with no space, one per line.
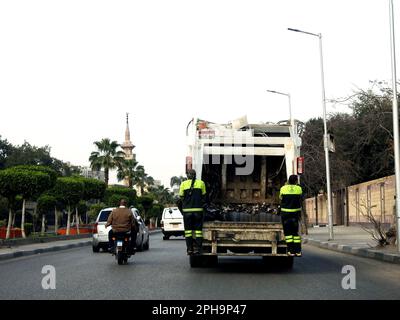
[100,234]
[172,223]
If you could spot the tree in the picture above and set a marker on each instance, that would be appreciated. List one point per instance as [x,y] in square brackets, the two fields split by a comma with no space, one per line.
[139,179]
[93,188]
[162,195]
[70,191]
[9,190]
[5,151]
[127,170]
[147,203]
[363,142]
[34,180]
[112,193]
[26,154]
[45,204]
[94,210]
[28,184]
[107,156]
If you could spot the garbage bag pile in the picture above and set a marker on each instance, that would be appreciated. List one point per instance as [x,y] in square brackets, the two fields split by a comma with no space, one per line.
[240,212]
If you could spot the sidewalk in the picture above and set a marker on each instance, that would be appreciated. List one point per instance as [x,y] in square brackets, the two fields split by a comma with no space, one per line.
[37,248]
[352,240]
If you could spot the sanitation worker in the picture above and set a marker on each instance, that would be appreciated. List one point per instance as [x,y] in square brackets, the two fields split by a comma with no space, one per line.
[192,193]
[291,197]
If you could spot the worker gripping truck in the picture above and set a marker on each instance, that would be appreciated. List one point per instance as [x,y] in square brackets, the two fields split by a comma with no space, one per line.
[192,193]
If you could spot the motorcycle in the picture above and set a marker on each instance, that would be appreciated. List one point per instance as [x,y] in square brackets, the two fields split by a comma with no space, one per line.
[122,243]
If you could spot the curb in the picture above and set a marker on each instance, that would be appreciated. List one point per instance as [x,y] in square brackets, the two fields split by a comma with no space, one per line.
[361,252]
[25,253]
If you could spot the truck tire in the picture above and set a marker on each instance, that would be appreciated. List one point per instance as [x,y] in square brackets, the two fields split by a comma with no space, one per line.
[278,263]
[210,261]
[96,248]
[196,261]
[286,263]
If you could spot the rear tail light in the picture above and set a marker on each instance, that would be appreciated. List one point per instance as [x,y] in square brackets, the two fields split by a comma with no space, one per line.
[95,228]
[162,224]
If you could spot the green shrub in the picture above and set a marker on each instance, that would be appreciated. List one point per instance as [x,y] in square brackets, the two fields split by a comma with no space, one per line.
[95,209]
[122,192]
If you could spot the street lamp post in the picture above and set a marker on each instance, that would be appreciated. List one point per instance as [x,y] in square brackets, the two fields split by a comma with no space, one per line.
[326,144]
[395,122]
[290,105]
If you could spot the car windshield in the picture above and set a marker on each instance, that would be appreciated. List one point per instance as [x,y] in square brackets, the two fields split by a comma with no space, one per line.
[104,215]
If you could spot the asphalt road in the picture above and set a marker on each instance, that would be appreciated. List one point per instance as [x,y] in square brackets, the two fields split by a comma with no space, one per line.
[164,273]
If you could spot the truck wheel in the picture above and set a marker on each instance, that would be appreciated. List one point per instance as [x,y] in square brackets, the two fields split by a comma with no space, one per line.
[196,261]
[165,237]
[96,248]
[210,261]
[286,263]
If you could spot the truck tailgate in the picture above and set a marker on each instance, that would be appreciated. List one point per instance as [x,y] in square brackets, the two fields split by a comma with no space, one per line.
[252,235]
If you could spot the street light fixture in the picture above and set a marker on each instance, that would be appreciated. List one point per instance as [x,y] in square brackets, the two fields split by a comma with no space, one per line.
[290,105]
[326,137]
[395,122]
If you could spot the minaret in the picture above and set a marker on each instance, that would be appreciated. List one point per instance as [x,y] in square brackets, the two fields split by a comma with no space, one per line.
[128,146]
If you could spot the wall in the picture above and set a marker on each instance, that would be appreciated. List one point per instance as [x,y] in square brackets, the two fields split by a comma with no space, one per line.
[352,203]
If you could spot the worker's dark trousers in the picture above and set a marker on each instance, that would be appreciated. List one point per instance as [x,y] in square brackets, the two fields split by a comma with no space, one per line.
[193,222]
[290,221]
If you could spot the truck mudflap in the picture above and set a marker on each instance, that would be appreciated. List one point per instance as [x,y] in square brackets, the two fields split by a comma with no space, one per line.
[243,239]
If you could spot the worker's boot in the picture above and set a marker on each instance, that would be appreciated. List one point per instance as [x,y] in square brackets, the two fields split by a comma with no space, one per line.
[198,245]
[189,245]
[297,245]
[291,249]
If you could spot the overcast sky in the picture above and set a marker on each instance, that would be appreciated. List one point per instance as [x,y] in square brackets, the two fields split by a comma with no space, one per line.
[69,70]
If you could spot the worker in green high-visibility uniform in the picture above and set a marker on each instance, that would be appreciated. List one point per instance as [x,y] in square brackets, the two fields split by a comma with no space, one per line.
[192,193]
[291,198]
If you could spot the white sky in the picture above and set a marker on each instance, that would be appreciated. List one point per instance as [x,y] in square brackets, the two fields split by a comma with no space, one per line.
[69,70]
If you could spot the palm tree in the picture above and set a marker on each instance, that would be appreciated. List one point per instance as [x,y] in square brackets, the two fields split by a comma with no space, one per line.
[149,181]
[162,195]
[107,156]
[139,179]
[127,170]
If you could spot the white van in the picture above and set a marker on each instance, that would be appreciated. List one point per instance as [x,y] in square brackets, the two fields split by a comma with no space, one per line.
[172,223]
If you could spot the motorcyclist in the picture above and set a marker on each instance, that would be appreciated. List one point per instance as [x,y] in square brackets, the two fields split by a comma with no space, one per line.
[122,221]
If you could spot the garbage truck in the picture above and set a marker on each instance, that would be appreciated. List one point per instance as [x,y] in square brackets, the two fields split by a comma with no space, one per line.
[243,166]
